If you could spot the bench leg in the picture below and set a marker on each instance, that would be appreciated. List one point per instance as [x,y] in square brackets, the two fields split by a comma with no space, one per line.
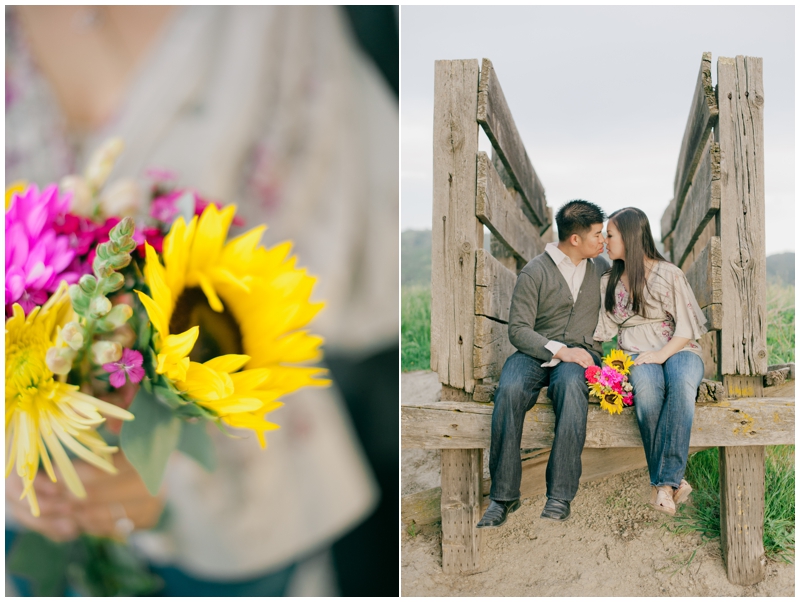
[741,483]
[462,479]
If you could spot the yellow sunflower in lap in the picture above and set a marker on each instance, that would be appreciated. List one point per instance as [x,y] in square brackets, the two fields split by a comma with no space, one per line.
[618,360]
[229,322]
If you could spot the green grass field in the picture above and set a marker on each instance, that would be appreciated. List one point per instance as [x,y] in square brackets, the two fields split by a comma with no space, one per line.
[415,329]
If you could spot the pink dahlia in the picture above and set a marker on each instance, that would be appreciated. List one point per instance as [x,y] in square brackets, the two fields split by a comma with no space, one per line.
[37,257]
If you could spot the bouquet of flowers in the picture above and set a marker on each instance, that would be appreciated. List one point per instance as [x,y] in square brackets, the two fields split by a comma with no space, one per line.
[194,327]
[609,384]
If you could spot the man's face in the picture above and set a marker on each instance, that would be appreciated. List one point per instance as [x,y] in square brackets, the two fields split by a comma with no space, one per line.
[591,243]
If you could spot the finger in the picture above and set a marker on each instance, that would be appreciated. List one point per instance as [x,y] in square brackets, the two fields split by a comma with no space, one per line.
[57,529]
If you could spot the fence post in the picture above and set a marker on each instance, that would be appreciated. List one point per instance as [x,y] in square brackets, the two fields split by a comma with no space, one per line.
[743,353]
[456,236]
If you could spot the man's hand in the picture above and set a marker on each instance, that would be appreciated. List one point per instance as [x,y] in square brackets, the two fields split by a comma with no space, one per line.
[576,355]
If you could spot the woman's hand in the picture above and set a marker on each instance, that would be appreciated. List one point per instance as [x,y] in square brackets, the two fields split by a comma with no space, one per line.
[56,520]
[117,504]
[650,357]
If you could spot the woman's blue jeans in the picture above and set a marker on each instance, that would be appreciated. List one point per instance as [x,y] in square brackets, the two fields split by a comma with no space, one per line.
[663,398]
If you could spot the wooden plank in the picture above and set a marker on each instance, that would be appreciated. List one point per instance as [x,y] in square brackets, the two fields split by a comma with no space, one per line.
[498,211]
[702,117]
[508,182]
[495,285]
[492,347]
[705,279]
[668,219]
[736,422]
[456,234]
[462,494]
[709,346]
[741,482]
[710,230]
[423,508]
[702,203]
[548,231]
[742,231]
[498,123]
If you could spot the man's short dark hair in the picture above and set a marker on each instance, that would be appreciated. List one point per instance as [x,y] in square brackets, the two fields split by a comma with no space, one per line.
[576,217]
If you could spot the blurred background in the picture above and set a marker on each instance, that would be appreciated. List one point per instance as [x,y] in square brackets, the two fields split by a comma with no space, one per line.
[292,114]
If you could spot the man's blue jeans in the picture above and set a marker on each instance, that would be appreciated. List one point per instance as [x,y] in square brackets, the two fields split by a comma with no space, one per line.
[663,398]
[520,382]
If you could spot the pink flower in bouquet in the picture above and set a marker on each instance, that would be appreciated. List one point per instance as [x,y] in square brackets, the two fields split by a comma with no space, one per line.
[165,209]
[591,373]
[627,399]
[609,377]
[129,365]
[37,257]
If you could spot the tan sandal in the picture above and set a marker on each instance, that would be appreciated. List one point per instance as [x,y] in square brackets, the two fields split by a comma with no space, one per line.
[661,500]
[681,494]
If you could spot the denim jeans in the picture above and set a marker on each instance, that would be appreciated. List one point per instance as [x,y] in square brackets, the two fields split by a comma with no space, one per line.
[520,382]
[663,398]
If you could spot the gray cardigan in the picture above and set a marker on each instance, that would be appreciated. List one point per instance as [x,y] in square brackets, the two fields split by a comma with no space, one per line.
[542,308]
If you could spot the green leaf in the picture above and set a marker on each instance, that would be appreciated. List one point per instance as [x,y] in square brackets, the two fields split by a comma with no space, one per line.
[169,396]
[196,444]
[149,439]
[42,561]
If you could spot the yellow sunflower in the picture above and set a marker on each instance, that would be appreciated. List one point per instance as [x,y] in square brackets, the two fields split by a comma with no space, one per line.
[612,402]
[42,413]
[618,360]
[596,390]
[218,307]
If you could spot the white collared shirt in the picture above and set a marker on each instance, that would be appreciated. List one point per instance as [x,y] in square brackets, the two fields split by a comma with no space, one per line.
[573,274]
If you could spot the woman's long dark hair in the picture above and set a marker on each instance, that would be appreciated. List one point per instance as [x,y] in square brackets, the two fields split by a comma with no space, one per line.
[634,228]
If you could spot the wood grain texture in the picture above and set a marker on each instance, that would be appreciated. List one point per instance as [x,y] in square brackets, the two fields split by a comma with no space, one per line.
[462,494]
[702,117]
[705,279]
[702,203]
[741,482]
[742,230]
[492,347]
[498,123]
[453,425]
[497,209]
[456,234]
[423,508]
[709,346]
[668,219]
[494,286]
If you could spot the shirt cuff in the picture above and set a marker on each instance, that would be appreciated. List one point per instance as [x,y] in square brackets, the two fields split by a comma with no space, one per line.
[553,347]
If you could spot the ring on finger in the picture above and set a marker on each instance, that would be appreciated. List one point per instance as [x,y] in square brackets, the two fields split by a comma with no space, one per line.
[123,526]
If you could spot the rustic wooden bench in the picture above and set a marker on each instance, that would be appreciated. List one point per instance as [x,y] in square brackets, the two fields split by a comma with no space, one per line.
[713,229]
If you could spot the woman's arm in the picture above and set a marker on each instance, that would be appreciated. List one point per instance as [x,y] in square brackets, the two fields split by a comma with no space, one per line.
[662,355]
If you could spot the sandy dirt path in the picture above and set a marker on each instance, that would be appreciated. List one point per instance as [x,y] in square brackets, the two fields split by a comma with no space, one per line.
[614,544]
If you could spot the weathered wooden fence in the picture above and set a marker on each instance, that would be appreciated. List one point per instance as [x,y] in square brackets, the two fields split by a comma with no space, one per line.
[713,229]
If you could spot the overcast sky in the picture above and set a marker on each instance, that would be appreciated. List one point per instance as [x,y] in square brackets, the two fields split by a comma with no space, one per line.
[600,96]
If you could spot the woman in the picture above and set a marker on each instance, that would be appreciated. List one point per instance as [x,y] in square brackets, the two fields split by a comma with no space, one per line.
[649,306]
[276,109]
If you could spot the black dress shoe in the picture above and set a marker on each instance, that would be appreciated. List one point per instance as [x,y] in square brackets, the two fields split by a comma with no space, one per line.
[497,513]
[556,509]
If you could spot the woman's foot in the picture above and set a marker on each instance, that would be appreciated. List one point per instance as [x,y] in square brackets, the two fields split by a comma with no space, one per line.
[681,494]
[662,500]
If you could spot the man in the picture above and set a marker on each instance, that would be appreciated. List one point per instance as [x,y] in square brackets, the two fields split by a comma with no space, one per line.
[554,312]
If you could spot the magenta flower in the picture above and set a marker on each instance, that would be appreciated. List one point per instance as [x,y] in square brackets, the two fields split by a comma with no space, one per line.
[129,365]
[591,373]
[37,257]
[609,377]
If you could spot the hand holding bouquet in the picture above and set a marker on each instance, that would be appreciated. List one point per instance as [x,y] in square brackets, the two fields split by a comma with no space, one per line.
[609,384]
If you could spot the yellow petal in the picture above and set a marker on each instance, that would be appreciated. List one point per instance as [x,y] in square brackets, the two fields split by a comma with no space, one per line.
[227,363]
[157,317]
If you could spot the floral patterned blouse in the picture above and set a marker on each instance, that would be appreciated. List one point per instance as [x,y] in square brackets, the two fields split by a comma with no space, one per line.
[672,310]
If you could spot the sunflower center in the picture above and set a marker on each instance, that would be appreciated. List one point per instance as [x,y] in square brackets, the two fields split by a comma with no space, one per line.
[219,332]
[619,365]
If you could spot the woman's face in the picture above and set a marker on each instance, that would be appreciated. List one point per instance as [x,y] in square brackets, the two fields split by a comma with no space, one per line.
[614,245]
